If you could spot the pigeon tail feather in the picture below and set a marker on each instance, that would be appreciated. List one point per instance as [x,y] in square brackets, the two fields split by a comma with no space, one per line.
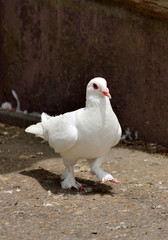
[40,129]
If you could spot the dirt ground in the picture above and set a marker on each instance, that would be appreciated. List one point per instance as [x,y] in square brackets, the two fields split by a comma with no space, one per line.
[33,205]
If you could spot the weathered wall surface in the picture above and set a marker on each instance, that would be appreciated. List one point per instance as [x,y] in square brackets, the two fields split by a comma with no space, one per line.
[51,49]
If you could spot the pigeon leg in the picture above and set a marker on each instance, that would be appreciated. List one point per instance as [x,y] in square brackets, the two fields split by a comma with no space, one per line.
[100,173]
[69,179]
[65,173]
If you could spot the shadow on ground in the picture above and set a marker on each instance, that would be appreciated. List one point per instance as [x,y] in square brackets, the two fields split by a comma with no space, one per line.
[51,182]
[19,150]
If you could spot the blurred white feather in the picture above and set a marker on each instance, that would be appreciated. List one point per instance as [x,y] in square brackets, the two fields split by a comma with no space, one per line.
[17,100]
[6,105]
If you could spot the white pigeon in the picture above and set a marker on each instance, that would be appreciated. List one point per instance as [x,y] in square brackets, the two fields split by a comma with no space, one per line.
[87,133]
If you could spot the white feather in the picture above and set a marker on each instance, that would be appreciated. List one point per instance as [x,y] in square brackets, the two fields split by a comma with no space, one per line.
[17,100]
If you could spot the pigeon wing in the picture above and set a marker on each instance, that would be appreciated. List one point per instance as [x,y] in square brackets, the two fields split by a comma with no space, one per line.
[62,134]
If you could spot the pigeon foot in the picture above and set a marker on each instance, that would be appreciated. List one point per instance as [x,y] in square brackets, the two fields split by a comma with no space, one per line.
[108,177]
[72,184]
[69,183]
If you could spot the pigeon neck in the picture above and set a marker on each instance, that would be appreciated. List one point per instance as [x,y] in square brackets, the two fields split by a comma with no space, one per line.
[96,102]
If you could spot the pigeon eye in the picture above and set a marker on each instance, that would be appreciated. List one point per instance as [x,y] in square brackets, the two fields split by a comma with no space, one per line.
[95,86]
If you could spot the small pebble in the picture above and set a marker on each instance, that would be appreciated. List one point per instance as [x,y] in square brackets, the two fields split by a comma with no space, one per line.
[47,204]
[18,190]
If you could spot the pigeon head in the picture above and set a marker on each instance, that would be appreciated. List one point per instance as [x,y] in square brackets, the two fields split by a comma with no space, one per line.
[97,87]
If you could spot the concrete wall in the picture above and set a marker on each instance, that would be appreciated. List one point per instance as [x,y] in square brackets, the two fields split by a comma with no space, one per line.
[50,50]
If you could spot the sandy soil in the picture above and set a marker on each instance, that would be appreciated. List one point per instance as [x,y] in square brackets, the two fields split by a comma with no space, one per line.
[33,205]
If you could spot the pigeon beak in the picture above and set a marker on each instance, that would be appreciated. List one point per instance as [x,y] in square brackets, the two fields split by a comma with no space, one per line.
[105,91]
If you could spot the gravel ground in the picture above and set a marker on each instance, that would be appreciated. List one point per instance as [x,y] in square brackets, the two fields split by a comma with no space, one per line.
[33,205]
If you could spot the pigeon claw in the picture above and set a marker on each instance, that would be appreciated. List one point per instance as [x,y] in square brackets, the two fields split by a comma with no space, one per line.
[80,186]
[77,185]
[97,182]
[114,181]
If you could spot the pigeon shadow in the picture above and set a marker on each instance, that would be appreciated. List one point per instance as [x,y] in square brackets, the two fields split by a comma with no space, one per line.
[52,182]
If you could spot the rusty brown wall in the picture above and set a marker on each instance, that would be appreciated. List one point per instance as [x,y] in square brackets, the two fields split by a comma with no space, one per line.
[50,49]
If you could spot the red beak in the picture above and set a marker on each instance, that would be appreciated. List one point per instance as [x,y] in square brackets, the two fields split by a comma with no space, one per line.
[105,91]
